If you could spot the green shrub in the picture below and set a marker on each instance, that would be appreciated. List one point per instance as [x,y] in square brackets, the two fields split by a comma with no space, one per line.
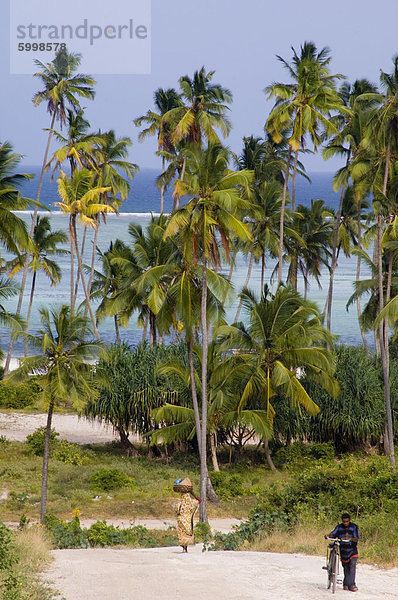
[71,535]
[35,441]
[201,531]
[70,454]
[66,534]
[18,396]
[227,485]
[300,452]
[110,479]
[324,490]
[4,442]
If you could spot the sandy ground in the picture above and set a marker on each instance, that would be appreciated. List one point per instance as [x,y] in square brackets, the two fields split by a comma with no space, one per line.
[167,574]
[16,426]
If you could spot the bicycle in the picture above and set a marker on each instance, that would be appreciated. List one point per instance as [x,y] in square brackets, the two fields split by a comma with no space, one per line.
[332,562]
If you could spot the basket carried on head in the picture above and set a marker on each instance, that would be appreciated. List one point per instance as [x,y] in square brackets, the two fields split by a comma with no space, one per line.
[183,486]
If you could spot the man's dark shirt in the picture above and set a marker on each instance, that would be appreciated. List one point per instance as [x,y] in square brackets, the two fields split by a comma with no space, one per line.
[347,549]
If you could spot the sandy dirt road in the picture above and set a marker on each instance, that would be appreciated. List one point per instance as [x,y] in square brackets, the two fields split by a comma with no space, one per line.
[167,574]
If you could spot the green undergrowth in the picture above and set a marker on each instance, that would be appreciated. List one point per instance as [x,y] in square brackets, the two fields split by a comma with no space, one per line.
[70,534]
[23,556]
[103,483]
[294,515]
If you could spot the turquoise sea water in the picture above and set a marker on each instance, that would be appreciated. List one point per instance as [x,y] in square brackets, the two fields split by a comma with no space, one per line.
[144,198]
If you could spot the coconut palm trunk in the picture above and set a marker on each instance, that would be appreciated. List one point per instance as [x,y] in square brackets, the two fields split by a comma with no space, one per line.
[294,180]
[72,267]
[249,272]
[28,255]
[282,217]
[163,186]
[116,321]
[329,298]
[194,395]
[384,348]
[86,295]
[32,293]
[358,273]
[213,448]
[205,343]
[46,456]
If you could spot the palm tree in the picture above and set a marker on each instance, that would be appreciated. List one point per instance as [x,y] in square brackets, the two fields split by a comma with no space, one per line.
[7,291]
[112,169]
[107,284]
[216,197]
[79,199]
[302,108]
[63,369]
[77,145]
[61,86]
[283,337]
[223,413]
[307,246]
[46,245]
[164,101]
[204,110]
[347,144]
[13,233]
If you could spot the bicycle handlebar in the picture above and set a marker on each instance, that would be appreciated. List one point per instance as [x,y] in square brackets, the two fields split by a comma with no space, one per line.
[338,540]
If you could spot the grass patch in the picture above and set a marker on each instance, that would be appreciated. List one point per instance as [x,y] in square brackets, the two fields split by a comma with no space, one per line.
[24,554]
[97,488]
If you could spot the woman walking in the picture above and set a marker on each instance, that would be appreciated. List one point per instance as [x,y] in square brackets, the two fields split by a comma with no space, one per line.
[185,508]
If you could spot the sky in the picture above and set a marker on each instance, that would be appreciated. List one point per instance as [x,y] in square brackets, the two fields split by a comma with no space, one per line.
[239,40]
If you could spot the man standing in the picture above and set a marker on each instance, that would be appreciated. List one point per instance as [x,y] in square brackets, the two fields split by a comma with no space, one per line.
[348,551]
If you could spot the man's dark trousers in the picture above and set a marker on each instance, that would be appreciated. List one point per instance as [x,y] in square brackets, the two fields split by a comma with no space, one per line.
[349,572]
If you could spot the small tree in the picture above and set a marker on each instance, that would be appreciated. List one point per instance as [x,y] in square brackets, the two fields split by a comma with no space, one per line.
[62,368]
[132,390]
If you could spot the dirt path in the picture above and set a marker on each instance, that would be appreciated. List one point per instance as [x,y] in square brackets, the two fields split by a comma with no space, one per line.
[16,426]
[167,574]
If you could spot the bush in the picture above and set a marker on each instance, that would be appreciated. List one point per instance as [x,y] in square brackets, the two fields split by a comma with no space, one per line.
[110,479]
[35,441]
[300,452]
[66,534]
[324,490]
[18,396]
[70,454]
[226,485]
[72,535]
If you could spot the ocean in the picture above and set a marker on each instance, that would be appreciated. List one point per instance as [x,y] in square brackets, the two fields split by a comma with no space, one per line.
[144,198]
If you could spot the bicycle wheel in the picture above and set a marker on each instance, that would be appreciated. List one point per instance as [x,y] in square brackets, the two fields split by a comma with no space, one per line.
[330,564]
[335,566]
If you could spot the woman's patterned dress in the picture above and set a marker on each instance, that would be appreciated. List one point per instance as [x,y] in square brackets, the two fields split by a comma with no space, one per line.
[186,509]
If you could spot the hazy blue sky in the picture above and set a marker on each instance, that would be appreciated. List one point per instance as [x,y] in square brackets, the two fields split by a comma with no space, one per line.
[237,39]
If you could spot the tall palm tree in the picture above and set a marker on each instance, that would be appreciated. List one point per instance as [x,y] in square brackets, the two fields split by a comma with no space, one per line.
[62,86]
[46,245]
[77,144]
[303,108]
[13,233]
[203,109]
[107,283]
[216,197]
[307,247]
[79,199]
[63,369]
[283,335]
[164,101]
[112,169]
[347,144]
[223,413]
[382,138]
